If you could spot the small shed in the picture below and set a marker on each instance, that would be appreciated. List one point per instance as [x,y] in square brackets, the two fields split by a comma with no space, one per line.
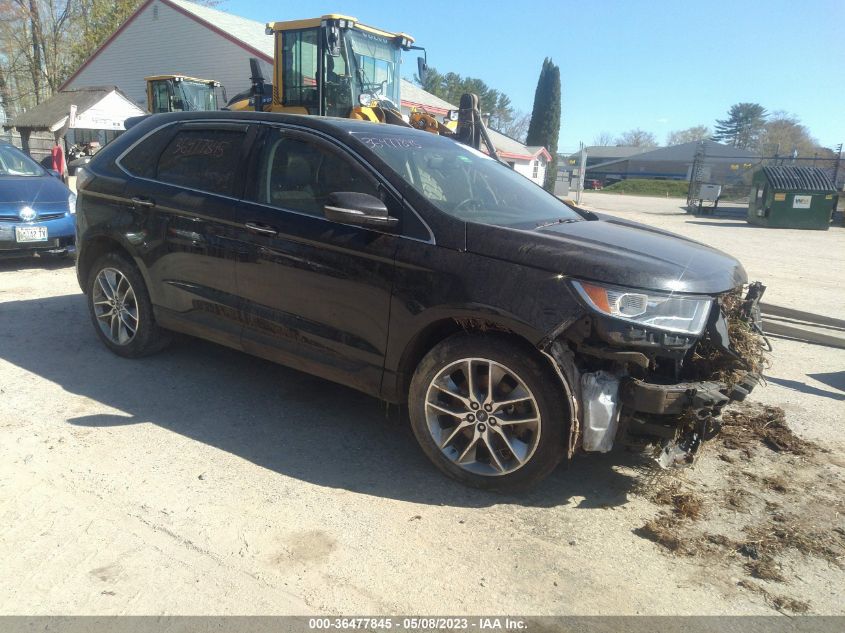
[792,197]
[81,114]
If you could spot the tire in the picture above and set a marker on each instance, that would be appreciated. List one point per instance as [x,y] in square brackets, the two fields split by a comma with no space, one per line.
[507,456]
[135,332]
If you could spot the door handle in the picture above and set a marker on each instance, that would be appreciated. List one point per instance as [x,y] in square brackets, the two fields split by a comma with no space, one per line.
[143,202]
[261,228]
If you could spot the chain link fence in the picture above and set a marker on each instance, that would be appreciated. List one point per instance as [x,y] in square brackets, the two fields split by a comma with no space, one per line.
[734,177]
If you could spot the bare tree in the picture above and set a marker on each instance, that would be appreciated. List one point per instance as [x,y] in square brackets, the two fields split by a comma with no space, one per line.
[637,138]
[689,135]
[784,134]
[35,36]
[603,139]
[517,127]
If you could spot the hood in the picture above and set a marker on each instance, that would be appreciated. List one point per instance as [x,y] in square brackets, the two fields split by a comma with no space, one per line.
[32,190]
[614,252]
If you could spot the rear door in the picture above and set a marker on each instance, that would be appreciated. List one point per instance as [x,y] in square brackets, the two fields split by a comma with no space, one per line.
[316,294]
[190,194]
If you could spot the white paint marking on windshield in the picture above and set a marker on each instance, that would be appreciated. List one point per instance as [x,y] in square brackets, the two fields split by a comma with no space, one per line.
[396,142]
[472,150]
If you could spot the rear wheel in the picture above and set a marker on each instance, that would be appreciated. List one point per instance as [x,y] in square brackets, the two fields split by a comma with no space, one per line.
[121,310]
[488,413]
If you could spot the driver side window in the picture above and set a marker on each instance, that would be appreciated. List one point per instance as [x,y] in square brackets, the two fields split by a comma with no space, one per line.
[299,175]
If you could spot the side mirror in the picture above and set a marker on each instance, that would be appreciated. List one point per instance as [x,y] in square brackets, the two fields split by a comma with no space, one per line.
[55,174]
[360,209]
[422,69]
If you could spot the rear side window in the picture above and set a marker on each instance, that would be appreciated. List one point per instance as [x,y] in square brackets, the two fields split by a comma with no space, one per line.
[204,159]
[141,160]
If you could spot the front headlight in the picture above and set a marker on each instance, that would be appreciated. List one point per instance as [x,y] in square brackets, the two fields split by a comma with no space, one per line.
[71,203]
[672,313]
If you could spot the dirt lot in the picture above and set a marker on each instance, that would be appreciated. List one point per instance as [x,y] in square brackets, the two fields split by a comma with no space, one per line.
[203,480]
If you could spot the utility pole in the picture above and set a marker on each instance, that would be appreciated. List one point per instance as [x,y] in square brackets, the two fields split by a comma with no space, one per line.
[581,173]
[838,160]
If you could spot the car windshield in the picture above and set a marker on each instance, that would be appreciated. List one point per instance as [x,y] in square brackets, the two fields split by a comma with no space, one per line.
[465,183]
[14,162]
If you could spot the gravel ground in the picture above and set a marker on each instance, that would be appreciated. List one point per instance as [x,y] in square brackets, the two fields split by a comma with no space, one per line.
[203,480]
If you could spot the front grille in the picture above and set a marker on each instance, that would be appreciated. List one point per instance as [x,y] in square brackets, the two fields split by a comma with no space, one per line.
[42,217]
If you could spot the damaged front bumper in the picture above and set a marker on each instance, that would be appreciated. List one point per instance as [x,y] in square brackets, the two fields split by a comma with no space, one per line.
[680,416]
[666,396]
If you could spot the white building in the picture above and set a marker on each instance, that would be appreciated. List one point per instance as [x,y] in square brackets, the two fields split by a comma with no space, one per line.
[180,37]
[93,113]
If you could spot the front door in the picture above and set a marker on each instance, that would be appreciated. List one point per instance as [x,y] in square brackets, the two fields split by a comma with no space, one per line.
[316,294]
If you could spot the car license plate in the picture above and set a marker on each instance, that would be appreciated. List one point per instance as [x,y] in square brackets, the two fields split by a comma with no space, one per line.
[31,233]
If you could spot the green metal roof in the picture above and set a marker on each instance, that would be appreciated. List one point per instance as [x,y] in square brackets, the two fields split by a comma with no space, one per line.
[799,178]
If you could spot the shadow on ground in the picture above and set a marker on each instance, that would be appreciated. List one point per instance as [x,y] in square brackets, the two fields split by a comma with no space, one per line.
[729,223]
[278,418]
[803,387]
[42,262]
[835,379]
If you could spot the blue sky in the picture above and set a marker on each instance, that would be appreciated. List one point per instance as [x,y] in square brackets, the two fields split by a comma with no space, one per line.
[656,65]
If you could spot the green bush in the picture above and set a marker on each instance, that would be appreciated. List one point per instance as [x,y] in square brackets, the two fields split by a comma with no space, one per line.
[641,187]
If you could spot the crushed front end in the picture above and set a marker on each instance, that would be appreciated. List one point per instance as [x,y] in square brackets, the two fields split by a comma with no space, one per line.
[655,388]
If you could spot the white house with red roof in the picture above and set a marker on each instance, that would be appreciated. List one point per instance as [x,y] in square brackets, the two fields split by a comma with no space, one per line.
[181,37]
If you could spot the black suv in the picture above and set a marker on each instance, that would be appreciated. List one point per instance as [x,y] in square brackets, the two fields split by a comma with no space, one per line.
[517,329]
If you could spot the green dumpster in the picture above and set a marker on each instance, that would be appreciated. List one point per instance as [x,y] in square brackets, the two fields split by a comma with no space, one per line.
[791,197]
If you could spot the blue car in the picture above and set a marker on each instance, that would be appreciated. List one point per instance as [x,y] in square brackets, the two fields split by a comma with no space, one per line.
[37,211]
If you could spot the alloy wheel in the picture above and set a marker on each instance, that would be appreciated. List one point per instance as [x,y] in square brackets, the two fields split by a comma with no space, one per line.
[115,306]
[483,416]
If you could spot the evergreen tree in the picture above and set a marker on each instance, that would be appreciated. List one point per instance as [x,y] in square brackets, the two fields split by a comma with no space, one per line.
[544,128]
[743,127]
[451,86]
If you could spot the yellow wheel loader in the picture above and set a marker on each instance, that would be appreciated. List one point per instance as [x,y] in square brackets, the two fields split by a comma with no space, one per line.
[179,93]
[335,66]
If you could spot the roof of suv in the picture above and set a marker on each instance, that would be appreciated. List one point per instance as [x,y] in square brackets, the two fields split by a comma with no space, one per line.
[317,122]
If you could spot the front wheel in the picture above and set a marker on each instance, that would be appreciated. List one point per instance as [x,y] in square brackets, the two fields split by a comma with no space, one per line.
[488,412]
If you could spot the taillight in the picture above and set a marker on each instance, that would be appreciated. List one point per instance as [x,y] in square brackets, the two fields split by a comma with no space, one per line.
[83,177]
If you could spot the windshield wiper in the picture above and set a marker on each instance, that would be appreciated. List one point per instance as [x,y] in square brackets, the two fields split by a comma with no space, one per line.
[558,221]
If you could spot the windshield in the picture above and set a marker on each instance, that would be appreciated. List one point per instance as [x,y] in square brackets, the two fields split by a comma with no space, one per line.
[14,162]
[376,61]
[197,96]
[465,183]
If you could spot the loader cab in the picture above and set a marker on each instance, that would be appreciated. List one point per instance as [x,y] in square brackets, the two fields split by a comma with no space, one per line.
[335,66]
[178,93]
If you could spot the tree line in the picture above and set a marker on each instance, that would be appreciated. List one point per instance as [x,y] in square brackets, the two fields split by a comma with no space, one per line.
[502,116]
[747,126]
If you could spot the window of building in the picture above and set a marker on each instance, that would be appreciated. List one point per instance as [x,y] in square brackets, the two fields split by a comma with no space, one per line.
[298,174]
[536,170]
[299,63]
[204,159]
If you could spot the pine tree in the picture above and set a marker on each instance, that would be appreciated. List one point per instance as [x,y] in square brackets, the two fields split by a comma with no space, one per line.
[451,86]
[545,118]
[743,127]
